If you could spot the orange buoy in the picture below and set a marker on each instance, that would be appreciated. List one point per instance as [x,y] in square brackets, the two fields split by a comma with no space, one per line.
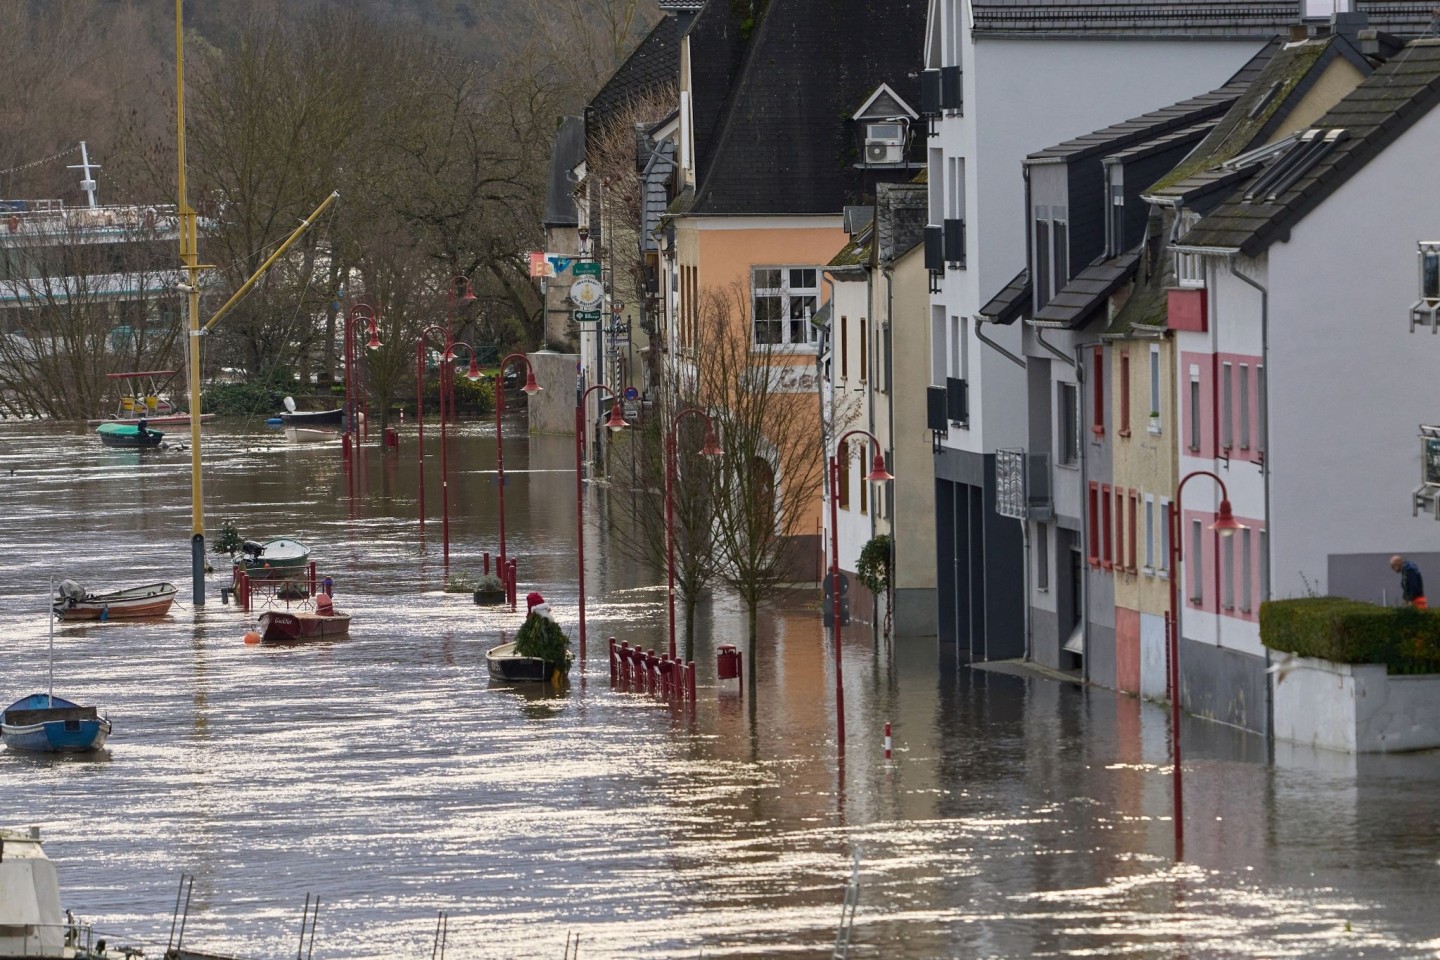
[251,637]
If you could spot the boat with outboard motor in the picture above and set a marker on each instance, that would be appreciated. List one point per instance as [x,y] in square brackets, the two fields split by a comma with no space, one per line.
[279,559]
[74,602]
[128,436]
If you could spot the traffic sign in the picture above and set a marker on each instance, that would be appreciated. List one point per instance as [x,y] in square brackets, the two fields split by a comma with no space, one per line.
[587,316]
[587,268]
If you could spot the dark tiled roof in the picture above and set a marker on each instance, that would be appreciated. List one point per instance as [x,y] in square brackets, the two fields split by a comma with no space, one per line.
[652,65]
[1372,116]
[783,143]
[1144,128]
[1086,292]
[1009,303]
[1257,114]
[565,156]
[1162,18]
[903,212]
[1145,312]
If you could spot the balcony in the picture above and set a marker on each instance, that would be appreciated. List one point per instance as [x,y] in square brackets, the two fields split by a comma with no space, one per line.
[1426,497]
[1022,485]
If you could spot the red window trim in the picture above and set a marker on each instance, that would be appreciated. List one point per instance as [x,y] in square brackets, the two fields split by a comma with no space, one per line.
[1107,555]
[1134,539]
[1099,425]
[1124,428]
[1094,547]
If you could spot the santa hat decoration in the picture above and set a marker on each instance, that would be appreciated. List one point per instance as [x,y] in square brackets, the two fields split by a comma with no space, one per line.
[532,600]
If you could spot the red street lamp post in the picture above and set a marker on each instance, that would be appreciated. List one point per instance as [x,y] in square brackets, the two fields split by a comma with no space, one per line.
[420,346]
[1225,524]
[359,311]
[458,293]
[878,474]
[616,423]
[711,448]
[531,388]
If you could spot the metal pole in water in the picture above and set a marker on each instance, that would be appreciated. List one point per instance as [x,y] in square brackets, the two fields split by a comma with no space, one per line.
[887,741]
[50,702]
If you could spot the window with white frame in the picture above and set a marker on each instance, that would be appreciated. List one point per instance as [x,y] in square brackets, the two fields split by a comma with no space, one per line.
[1264,559]
[1149,533]
[1227,406]
[1052,252]
[785,299]
[1430,271]
[1189,267]
[1193,442]
[1246,572]
[1197,564]
[1227,574]
[1042,558]
[1163,561]
[1244,406]
[1155,396]
[1068,400]
[937,345]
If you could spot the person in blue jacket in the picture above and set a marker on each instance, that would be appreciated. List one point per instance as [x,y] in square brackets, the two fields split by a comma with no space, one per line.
[1412,587]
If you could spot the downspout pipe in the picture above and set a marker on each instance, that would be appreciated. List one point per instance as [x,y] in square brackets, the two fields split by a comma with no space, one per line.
[1024,524]
[889,370]
[1079,367]
[1078,364]
[980,335]
[826,422]
[1264,401]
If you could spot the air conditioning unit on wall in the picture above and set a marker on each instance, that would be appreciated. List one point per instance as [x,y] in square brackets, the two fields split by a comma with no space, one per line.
[885,143]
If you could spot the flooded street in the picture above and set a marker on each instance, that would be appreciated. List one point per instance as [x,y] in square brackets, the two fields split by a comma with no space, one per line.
[388,776]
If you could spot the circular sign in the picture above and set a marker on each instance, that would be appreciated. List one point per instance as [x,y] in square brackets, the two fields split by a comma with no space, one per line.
[587,293]
[632,394]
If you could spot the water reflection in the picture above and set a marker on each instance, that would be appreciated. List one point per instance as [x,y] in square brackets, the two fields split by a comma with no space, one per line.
[387,775]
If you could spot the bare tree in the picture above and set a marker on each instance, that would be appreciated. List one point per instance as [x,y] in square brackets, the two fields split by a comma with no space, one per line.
[765,495]
[637,499]
[87,292]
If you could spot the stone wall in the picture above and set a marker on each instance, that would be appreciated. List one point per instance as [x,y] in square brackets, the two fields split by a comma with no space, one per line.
[1356,708]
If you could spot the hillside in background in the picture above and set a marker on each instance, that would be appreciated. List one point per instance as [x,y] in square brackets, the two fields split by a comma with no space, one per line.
[103,71]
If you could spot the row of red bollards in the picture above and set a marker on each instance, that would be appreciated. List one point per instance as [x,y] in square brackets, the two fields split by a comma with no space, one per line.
[506,572]
[653,672]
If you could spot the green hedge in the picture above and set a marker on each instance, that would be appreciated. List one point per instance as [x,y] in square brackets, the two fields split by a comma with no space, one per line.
[1404,639]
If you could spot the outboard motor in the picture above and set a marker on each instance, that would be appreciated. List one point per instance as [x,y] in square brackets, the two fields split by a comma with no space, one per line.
[252,549]
[69,592]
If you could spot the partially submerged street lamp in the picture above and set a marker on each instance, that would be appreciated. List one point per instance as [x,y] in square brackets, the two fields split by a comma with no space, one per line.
[531,388]
[1225,525]
[877,475]
[615,423]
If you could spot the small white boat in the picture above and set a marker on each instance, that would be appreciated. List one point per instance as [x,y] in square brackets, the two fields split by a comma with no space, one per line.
[74,602]
[310,434]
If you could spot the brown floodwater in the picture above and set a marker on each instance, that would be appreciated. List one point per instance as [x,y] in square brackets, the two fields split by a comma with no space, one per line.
[387,776]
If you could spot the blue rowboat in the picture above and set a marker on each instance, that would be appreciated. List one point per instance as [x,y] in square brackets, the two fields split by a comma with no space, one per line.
[48,724]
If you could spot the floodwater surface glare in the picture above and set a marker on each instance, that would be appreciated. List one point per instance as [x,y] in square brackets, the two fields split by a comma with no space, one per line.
[388,777]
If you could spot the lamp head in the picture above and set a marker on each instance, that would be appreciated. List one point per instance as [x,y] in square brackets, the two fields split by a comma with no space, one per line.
[878,473]
[1225,523]
[712,443]
[374,342]
[531,387]
[616,421]
[473,373]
